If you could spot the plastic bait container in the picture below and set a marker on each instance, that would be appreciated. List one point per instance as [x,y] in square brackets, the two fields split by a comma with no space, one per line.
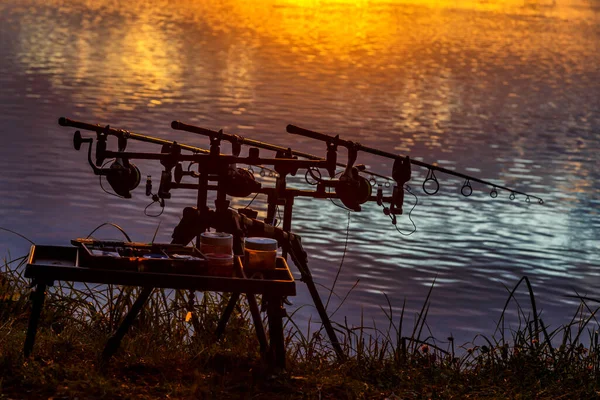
[218,248]
[216,243]
[260,253]
[220,264]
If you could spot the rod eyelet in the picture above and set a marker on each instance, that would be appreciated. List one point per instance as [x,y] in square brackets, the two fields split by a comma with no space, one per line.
[431,177]
[466,189]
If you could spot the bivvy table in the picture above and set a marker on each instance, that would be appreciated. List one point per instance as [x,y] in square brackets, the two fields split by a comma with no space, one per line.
[62,263]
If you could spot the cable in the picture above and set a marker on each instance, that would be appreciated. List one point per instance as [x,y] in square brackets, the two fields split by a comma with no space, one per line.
[409,214]
[247,205]
[251,201]
[154,215]
[111,224]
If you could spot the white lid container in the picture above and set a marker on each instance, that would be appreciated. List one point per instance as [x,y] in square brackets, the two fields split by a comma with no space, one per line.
[260,244]
[217,238]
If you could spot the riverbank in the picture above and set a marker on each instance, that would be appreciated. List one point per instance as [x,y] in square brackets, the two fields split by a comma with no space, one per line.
[171,353]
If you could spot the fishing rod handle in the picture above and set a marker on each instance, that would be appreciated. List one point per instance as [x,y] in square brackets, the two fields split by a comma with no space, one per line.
[180,126]
[62,121]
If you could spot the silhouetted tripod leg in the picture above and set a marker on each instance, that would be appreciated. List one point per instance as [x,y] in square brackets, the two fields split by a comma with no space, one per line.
[227,314]
[115,340]
[324,317]
[37,303]
[307,279]
[275,313]
[260,330]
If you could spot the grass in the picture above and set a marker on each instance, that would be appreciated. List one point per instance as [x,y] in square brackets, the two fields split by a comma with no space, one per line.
[171,352]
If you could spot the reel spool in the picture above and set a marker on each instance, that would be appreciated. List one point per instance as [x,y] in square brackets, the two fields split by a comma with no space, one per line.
[353,190]
[240,182]
[122,178]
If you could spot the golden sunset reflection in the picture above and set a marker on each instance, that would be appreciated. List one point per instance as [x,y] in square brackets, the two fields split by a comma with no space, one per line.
[146,58]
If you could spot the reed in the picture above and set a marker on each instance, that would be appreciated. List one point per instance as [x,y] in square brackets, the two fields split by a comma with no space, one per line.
[171,351]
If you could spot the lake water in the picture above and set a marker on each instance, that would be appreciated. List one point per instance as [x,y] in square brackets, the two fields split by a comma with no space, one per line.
[507,91]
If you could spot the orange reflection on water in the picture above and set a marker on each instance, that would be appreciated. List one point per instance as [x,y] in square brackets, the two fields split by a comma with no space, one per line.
[140,54]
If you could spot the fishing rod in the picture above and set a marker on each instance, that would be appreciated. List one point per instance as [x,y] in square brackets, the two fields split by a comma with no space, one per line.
[352,189]
[466,189]
[237,141]
[122,175]
[124,134]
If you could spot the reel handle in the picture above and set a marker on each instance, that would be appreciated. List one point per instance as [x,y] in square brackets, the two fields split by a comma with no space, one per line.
[78,140]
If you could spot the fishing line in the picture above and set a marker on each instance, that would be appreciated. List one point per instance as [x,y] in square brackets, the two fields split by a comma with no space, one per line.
[337,205]
[341,262]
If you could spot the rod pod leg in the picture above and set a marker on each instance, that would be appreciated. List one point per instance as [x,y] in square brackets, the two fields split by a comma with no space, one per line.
[308,280]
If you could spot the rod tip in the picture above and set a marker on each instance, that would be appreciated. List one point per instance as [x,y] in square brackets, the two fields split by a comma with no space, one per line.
[175,124]
[62,121]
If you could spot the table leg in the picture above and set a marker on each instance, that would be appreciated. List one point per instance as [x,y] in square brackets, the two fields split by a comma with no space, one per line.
[275,313]
[226,314]
[37,302]
[113,343]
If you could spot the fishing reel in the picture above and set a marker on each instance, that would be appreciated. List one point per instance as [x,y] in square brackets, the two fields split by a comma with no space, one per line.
[353,189]
[122,176]
[240,182]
